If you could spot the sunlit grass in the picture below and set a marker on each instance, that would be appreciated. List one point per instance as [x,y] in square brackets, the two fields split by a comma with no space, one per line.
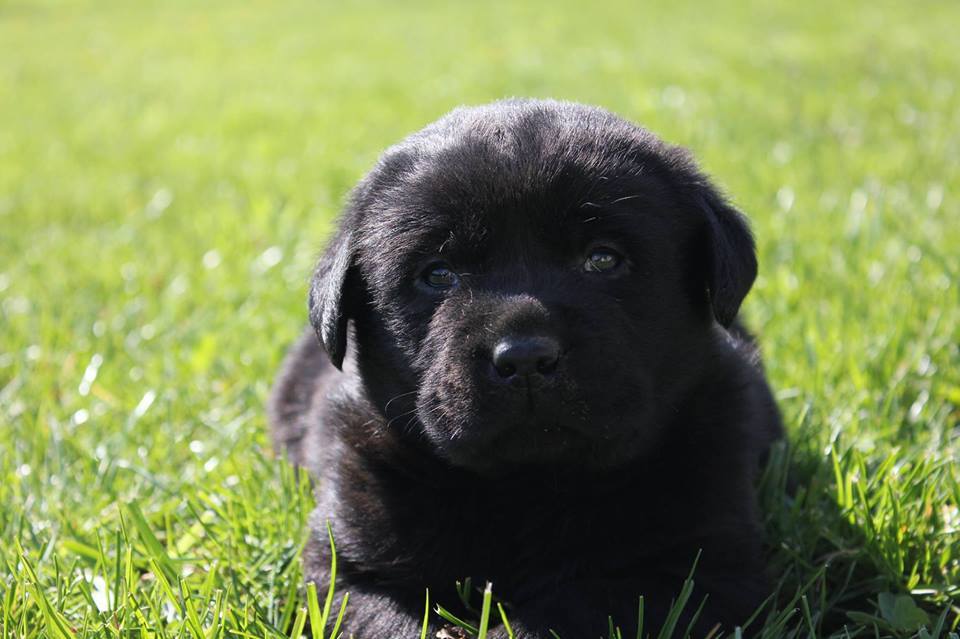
[168,173]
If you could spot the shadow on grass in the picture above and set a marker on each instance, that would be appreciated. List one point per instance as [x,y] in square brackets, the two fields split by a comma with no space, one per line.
[831,551]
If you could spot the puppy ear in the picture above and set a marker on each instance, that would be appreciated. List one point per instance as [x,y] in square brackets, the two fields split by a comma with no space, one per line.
[731,259]
[331,296]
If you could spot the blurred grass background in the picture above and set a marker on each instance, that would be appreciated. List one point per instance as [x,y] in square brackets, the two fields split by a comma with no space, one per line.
[169,171]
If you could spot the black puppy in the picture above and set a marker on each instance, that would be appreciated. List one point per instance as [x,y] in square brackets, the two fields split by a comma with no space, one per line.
[525,375]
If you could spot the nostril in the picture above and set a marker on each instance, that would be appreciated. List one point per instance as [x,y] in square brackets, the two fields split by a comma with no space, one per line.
[506,370]
[547,365]
[525,355]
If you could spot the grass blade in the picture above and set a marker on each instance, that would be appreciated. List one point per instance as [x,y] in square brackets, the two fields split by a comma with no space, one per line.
[426,616]
[485,611]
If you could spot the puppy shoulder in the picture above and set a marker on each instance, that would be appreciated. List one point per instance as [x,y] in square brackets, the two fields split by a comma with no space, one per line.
[290,405]
[759,415]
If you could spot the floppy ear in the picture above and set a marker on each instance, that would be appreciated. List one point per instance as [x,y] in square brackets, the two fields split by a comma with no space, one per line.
[731,259]
[331,295]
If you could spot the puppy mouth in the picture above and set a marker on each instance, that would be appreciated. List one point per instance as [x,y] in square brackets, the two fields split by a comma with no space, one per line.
[540,444]
[534,429]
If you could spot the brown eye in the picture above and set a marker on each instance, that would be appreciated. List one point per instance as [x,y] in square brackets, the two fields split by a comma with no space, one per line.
[602,260]
[440,276]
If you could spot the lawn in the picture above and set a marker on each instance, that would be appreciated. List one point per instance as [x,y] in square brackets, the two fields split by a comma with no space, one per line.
[168,174]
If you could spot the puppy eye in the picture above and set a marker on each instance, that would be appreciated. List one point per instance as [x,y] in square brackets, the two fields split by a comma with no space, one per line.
[440,276]
[602,260]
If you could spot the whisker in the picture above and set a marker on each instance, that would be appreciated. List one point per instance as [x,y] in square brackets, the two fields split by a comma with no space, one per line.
[386,406]
[625,198]
[390,422]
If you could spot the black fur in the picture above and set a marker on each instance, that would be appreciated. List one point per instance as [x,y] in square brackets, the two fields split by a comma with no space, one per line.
[574,491]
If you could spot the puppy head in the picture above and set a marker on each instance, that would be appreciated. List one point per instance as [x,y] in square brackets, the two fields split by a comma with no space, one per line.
[531,283]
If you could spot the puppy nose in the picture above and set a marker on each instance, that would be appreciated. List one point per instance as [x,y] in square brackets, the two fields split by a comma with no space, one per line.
[518,356]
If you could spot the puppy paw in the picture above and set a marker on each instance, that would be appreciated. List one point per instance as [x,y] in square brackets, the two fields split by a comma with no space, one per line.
[451,632]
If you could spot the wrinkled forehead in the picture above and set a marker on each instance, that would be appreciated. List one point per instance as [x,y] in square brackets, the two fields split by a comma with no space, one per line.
[466,198]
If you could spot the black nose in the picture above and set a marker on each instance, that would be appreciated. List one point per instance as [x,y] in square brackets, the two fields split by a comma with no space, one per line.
[519,356]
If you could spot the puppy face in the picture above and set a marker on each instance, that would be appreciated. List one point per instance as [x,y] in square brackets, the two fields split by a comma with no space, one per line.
[531,283]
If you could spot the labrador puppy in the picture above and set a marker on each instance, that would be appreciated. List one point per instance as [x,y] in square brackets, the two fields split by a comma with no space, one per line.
[528,372]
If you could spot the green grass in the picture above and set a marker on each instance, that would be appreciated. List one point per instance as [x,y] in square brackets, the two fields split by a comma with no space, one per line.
[168,173]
